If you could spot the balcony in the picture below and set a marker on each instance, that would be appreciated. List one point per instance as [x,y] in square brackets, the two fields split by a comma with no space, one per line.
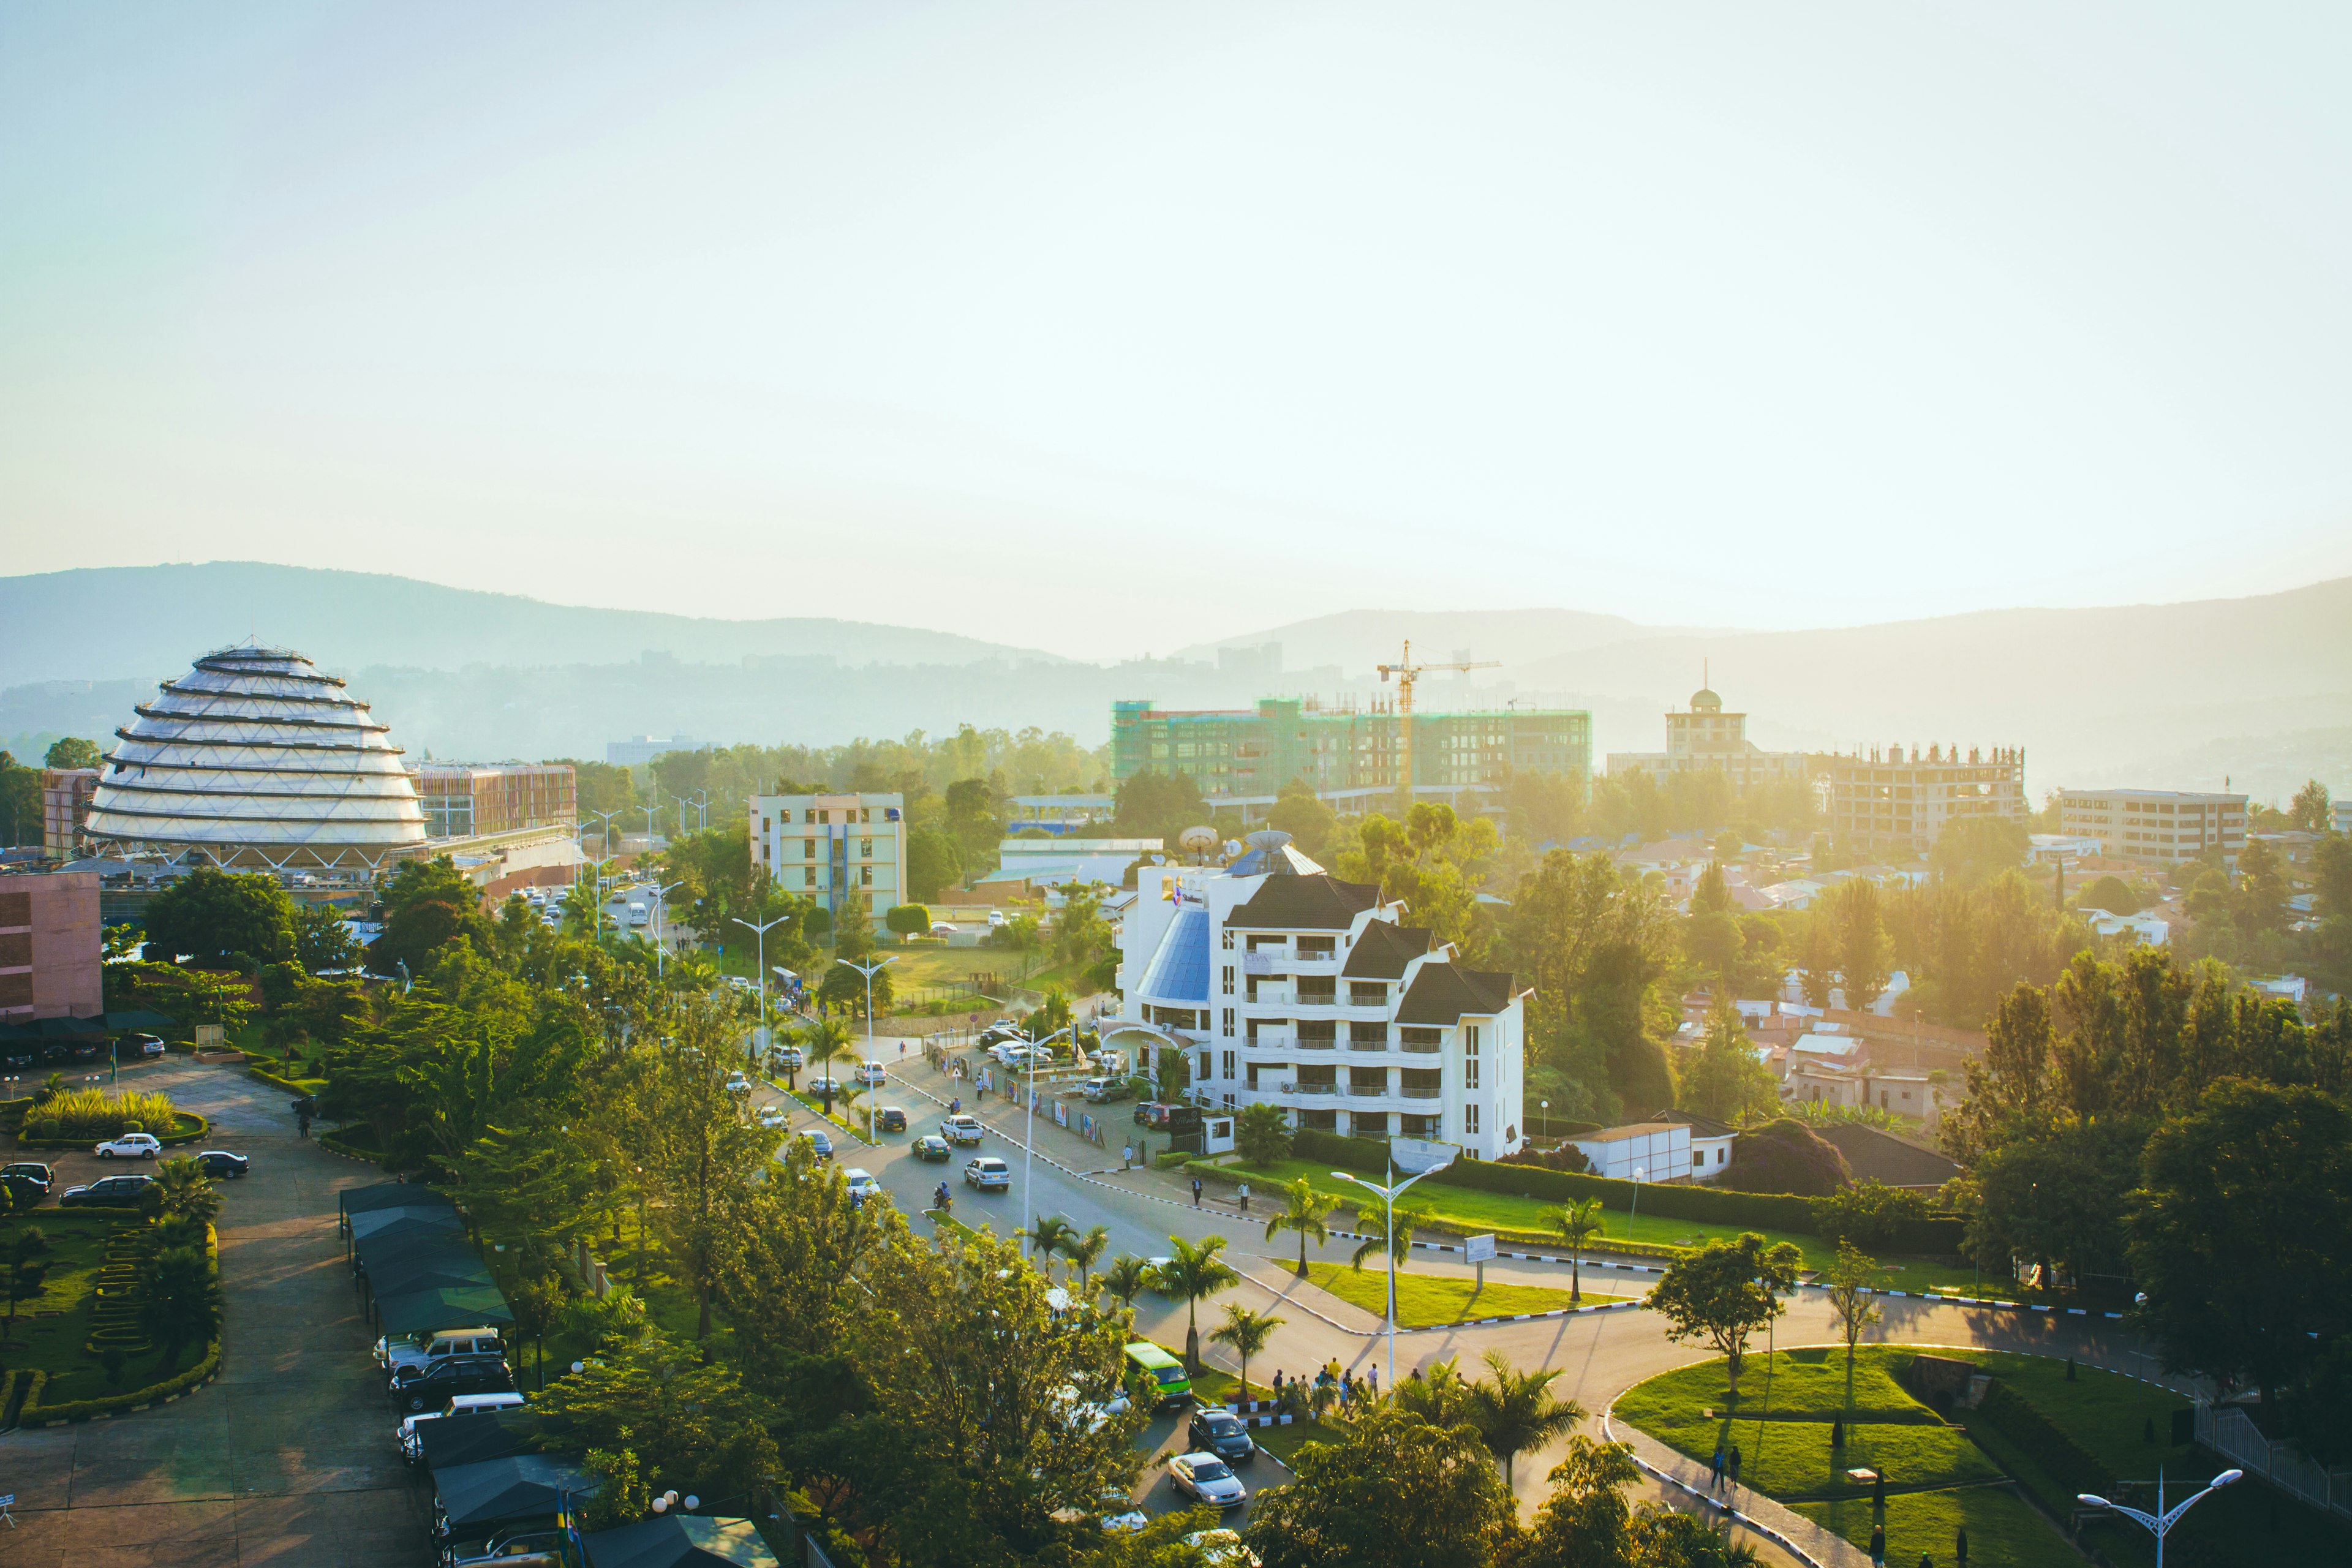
[1260,964]
[1372,1048]
[1416,1049]
[1269,1042]
[1368,1091]
[1311,1088]
[1415,1091]
[1304,1044]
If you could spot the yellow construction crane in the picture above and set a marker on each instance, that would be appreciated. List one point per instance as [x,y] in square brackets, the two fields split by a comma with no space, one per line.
[1406,673]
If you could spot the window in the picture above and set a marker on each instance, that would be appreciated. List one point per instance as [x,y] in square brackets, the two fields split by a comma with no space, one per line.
[866,876]
[1367,994]
[865,849]
[1470,1040]
[1470,1073]
[1229,1061]
[1204,1066]
[809,815]
[866,814]
[1470,1120]
[808,876]
[1229,980]
[808,848]
[1225,939]
[1229,1021]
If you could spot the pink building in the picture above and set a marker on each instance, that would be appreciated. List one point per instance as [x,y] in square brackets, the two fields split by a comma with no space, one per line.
[49,947]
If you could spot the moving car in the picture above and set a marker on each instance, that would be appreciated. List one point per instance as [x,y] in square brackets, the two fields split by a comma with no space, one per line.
[871,1073]
[29,1171]
[436,1385]
[961,1129]
[822,1086]
[1224,1434]
[129,1146]
[862,1184]
[819,1144]
[932,1149]
[943,927]
[787,1058]
[107,1192]
[222,1164]
[407,1354]
[737,1083]
[1204,1478]
[988,1173]
[890,1119]
[1166,1373]
[774,1116]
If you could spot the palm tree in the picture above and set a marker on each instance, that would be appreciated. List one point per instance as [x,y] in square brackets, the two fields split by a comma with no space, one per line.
[1382,1235]
[1246,1333]
[1126,1277]
[188,1193]
[1084,1251]
[182,1301]
[1303,1210]
[1438,1395]
[1516,1411]
[1577,1224]
[827,1041]
[1051,1234]
[1193,1274]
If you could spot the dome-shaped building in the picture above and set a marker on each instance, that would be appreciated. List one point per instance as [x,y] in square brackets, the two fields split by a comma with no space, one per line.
[254,760]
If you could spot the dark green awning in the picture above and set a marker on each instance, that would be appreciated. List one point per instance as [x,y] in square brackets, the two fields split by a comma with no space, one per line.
[444,1307]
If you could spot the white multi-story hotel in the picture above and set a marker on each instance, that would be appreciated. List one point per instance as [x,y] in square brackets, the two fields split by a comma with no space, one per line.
[1282,983]
[829,847]
[2156,826]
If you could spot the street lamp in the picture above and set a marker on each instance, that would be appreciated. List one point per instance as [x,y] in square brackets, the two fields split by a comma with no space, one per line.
[661,923]
[763,930]
[1639,1172]
[1547,1110]
[2160,1523]
[870,971]
[1029,1135]
[1388,1196]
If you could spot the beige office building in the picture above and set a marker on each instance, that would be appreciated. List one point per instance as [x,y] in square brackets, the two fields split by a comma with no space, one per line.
[1896,802]
[2156,826]
[1709,740]
[830,847]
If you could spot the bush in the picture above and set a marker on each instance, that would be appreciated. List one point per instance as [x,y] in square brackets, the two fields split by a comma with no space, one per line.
[1868,1213]
[2071,1465]
[1262,1134]
[1786,1156]
[87,1114]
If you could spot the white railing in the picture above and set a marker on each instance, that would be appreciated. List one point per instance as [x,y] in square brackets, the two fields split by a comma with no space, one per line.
[1311,1088]
[2227,1431]
[1368,1091]
[1415,1091]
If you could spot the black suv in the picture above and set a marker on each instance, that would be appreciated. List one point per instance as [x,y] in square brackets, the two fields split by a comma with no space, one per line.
[1223,1433]
[435,1386]
[890,1119]
[108,1192]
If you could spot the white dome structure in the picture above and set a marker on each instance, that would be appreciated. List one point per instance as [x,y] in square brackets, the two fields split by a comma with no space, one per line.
[254,760]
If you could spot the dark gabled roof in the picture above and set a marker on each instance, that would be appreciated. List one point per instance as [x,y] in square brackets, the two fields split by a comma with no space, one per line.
[1383,950]
[1442,992]
[1874,1155]
[1320,902]
[1700,1126]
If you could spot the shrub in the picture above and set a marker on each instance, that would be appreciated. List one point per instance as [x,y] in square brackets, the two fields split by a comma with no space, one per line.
[87,1114]
[1786,1156]
[2068,1464]
[1869,1213]
[1262,1134]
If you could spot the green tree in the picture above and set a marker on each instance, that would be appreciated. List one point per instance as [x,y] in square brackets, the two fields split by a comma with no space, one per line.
[1852,1278]
[23,1266]
[973,820]
[686,1422]
[20,802]
[1577,1224]
[826,1043]
[1441,1395]
[2056,1193]
[1725,1293]
[2259,901]
[1194,1272]
[73,752]
[1973,850]
[209,914]
[1084,1251]
[1597,953]
[179,1301]
[621,1496]
[1724,1081]
[1351,1493]
[1513,1411]
[1158,806]
[2108,893]
[2310,810]
[934,863]
[1125,1277]
[2241,1233]
[907,920]
[188,1192]
[1389,1230]
[1302,814]
[1868,1213]
[2331,877]
[794,1249]
[1046,1240]
[1863,953]
[1245,1332]
[853,932]
[1262,1133]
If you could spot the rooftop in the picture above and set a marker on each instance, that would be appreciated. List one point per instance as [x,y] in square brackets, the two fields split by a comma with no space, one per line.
[1315,901]
[1442,992]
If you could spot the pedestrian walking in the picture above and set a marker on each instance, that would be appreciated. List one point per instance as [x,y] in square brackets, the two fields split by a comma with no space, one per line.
[1877,1546]
[1715,1469]
[1196,1192]
[1127,1157]
[1244,1197]
[1878,1491]
[1735,1467]
[1925,1561]
[1961,1546]
[1376,1383]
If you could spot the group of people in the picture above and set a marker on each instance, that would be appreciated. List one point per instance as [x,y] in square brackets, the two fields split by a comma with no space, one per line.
[1343,1385]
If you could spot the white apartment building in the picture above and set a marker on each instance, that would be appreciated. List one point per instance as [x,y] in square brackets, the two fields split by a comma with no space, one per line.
[1283,984]
[2154,827]
[829,847]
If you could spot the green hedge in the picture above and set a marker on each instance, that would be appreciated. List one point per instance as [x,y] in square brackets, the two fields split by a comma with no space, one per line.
[346,1140]
[291,1086]
[2071,1465]
[187,1127]
[35,1414]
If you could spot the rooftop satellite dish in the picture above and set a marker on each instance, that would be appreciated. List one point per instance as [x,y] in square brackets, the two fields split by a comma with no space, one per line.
[1199,841]
[1268,838]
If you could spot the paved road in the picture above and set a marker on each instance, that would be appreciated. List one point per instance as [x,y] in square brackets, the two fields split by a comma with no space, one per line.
[287,1457]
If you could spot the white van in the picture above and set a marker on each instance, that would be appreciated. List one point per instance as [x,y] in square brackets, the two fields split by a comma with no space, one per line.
[412,1446]
[639,913]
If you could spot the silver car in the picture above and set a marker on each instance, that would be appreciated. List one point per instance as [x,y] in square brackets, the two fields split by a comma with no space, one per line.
[1204,1478]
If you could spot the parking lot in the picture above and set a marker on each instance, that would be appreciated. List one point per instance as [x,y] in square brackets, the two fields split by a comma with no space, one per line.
[287,1458]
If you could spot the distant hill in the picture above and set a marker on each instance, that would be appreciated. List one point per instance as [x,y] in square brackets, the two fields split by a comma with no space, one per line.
[1357,640]
[147,622]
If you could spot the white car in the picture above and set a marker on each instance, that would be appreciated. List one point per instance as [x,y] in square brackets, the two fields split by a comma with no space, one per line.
[862,1184]
[988,1173]
[873,1073]
[1223,1549]
[1204,1478]
[129,1146]
[943,927]
[996,918]
[1119,1514]
[774,1116]
[737,1084]
[412,1446]
[962,1129]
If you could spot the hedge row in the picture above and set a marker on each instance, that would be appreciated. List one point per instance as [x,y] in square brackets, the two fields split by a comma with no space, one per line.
[336,1144]
[289,1085]
[187,1127]
[2075,1467]
[1710,1206]
[35,1414]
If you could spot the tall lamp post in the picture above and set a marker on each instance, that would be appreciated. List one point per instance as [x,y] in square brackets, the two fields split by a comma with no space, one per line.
[661,923]
[1388,1196]
[870,971]
[763,930]
[2159,1523]
[1029,1136]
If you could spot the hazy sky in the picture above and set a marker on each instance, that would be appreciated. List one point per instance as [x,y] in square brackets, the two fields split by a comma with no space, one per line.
[1111,328]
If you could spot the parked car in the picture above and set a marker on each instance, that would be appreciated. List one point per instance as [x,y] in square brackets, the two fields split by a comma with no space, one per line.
[871,1073]
[890,1119]
[107,1192]
[1152,1113]
[822,1086]
[1099,1089]
[437,1385]
[943,927]
[819,1144]
[1222,1549]
[129,1146]
[998,1033]
[221,1164]
[932,1149]
[988,1173]
[961,1129]
[29,1171]
[140,1045]
[996,920]
[1204,1478]
[1224,1434]
[1119,1514]
[862,1184]
[407,1354]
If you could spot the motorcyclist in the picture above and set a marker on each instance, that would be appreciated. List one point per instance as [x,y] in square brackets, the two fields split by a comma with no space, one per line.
[943,1199]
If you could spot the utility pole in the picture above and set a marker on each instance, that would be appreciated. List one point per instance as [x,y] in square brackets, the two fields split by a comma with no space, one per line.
[763,930]
[870,971]
[1406,673]
[661,923]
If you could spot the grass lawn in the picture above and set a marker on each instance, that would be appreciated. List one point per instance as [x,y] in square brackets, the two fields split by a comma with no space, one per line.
[1426,1301]
[1804,1383]
[2002,1527]
[52,1327]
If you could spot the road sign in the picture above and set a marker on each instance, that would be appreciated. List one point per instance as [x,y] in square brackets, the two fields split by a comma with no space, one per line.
[1477,1248]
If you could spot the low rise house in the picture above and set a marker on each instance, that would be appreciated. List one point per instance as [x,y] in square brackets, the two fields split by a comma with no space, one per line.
[1640,1151]
[1710,1143]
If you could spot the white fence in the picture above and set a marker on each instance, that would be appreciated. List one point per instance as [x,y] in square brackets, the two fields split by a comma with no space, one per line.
[2230,1433]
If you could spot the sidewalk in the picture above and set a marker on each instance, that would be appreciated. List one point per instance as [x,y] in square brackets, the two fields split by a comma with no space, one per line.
[1793,1530]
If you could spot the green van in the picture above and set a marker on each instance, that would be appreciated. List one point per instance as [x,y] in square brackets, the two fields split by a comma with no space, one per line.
[1166,1372]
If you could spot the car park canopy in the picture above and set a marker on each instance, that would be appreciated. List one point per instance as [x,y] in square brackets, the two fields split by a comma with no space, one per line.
[442,1306]
[428,1271]
[390,1196]
[514,1489]
[680,1540]
[455,1440]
